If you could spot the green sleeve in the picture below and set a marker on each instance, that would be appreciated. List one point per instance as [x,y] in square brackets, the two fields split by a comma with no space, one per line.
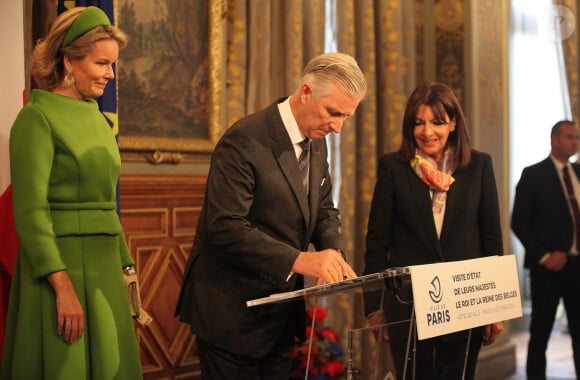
[126,258]
[31,159]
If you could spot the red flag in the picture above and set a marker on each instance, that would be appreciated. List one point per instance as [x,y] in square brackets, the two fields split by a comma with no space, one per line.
[11,100]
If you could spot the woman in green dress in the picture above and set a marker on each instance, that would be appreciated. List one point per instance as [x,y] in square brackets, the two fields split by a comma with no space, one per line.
[69,315]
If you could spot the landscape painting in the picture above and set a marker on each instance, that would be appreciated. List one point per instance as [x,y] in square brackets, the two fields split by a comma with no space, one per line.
[167,86]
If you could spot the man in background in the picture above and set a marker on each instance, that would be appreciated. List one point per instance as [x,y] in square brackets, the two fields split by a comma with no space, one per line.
[268,196]
[546,219]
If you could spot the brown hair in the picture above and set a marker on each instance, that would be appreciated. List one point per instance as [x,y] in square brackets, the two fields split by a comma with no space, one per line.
[47,63]
[442,101]
[555,131]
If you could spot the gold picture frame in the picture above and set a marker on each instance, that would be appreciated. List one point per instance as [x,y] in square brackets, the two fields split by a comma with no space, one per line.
[179,129]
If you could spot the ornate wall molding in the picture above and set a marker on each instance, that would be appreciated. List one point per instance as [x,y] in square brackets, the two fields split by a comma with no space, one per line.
[159,215]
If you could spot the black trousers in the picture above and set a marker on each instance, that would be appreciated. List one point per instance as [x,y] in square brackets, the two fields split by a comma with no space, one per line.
[440,358]
[447,357]
[547,289]
[218,364]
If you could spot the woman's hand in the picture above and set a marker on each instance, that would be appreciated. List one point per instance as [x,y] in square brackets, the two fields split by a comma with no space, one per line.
[492,331]
[379,329]
[70,315]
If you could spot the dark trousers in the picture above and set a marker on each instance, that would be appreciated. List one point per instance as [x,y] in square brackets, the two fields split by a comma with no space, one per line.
[217,364]
[438,358]
[446,357]
[547,289]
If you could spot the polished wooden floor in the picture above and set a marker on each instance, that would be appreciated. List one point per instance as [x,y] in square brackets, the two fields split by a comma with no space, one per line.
[559,357]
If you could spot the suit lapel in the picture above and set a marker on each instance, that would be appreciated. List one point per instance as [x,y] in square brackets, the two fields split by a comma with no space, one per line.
[286,157]
[452,204]
[420,193]
[576,168]
[553,176]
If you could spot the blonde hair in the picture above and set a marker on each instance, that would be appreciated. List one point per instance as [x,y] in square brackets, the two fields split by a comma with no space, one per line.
[339,69]
[47,61]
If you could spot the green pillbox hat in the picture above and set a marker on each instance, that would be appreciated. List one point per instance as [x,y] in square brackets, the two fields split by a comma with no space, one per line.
[90,18]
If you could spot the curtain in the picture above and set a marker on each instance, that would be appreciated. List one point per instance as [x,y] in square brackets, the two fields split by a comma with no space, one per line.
[570,48]
[268,44]
[380,34]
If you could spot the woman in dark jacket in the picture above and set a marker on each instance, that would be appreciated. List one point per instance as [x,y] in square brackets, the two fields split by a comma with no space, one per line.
[435,200]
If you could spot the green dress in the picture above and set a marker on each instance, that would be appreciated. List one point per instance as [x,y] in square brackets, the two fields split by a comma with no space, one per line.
[65,164]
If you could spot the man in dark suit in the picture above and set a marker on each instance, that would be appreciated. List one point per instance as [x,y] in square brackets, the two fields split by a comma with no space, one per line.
[543,220]
[260,215]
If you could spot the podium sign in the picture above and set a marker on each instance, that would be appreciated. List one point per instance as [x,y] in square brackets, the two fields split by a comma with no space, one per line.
[459,295]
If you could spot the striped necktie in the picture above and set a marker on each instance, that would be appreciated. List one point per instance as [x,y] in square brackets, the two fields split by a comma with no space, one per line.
[303,162]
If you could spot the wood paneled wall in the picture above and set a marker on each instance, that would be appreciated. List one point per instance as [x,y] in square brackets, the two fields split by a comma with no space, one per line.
[159,215]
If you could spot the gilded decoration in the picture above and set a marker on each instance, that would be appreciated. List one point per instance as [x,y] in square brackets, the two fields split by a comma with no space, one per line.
[449,14]
[420,41]
[490,82]
[236,61]
[397,77]
[449,42]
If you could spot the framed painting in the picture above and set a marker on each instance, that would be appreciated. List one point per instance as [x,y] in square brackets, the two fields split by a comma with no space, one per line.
[171,80]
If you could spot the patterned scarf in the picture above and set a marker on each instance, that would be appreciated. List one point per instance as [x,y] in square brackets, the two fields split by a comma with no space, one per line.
[438,179]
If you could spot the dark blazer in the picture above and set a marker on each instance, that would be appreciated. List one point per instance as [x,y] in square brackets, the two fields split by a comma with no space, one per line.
[255,220]
[401,229]
[541,217]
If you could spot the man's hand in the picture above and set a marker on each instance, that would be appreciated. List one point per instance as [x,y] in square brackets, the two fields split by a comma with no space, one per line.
[327,265]
[556,261]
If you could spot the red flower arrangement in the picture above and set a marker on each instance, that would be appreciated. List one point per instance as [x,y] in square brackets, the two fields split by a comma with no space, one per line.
[327,358]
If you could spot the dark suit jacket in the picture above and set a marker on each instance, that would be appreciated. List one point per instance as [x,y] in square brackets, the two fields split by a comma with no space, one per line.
[255,220]
[541,217]
[401,229]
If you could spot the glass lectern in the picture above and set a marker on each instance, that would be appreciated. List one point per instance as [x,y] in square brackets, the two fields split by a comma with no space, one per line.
[385,351]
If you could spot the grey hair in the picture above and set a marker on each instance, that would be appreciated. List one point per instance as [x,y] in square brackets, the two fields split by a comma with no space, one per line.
[339,69]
